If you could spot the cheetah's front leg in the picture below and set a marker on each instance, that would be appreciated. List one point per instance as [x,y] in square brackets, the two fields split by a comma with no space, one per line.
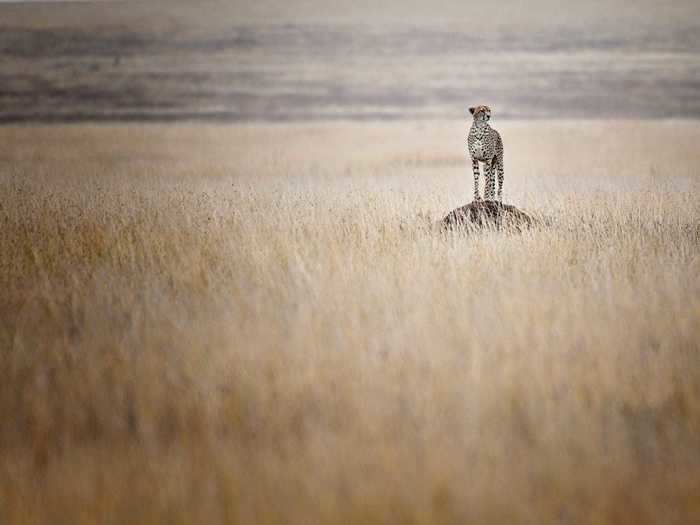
[475,169]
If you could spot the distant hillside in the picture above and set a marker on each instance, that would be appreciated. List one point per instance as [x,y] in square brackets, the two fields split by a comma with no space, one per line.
[297,61]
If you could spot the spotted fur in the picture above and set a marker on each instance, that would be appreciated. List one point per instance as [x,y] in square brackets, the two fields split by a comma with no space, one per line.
[485,145]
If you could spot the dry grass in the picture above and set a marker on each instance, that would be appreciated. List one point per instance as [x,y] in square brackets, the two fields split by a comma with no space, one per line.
[254,324]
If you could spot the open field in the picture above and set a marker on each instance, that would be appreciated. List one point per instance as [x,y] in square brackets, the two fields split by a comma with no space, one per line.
[256,324]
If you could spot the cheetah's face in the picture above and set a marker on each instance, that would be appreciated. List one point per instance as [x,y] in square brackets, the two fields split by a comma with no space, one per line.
[482,113]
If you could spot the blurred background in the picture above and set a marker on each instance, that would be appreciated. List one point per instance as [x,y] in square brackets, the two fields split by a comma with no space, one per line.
[313,59]
[256,322]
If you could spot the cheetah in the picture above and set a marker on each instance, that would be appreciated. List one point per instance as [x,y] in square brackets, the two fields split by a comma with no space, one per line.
[485,145]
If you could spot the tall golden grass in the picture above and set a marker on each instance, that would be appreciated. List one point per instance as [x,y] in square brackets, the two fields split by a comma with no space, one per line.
[257,324]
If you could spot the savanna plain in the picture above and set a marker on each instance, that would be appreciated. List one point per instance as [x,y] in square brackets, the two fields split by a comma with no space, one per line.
[259,323]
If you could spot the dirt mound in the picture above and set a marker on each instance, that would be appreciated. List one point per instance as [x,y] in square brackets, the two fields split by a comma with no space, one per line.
[479,214]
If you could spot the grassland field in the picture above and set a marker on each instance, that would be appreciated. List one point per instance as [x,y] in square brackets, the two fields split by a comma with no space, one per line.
[257,323]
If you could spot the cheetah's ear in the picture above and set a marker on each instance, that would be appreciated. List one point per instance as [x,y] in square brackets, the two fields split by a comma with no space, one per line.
[471,110]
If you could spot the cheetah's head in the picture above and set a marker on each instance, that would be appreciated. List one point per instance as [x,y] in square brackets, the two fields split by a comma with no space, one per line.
[482,113]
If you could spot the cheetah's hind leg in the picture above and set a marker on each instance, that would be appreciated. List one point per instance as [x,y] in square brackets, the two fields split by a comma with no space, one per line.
[490,190]
[499,168]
